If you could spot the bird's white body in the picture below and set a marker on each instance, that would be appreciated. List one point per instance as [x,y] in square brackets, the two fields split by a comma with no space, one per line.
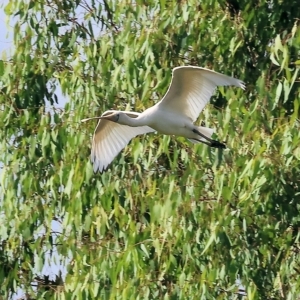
[179,125]
[189,92]
[156,118]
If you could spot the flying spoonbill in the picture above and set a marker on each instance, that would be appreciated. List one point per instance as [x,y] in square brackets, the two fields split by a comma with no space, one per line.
[189,92]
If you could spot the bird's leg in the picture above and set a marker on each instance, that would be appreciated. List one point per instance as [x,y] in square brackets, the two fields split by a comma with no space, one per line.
[212,143]
[217,144]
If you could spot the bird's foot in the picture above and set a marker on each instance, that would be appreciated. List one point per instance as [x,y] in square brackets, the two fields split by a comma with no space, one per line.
[217,144]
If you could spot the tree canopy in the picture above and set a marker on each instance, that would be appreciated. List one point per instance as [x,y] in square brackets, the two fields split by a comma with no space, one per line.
[169,219]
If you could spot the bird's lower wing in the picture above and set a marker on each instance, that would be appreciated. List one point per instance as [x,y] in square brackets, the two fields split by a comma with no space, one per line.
[109,139]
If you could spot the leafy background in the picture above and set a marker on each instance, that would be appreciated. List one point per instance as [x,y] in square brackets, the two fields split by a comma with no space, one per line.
[168,220]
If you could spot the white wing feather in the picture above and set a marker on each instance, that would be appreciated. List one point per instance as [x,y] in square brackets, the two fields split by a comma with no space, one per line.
[110,138]
[191,89]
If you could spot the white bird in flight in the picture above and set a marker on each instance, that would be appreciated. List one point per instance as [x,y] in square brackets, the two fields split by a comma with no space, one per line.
[190,90]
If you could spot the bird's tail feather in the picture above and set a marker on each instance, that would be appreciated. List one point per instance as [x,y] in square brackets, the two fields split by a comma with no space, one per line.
[208,132]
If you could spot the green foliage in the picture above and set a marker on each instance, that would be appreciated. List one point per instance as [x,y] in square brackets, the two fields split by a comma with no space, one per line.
[168,220]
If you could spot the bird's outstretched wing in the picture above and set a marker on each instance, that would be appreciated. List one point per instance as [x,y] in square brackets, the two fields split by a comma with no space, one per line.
[110,138]
[191,89]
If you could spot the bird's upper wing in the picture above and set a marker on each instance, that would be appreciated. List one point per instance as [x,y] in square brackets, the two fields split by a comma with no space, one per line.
[110,138]
[191,89]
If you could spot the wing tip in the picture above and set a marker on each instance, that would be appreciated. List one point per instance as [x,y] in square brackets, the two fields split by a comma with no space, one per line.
[98,166]
[238,82]
[242,84]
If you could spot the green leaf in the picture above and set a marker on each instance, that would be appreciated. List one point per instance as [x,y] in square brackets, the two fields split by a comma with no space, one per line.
[278,94]
[8,9]
[211,239]
[69,185]
[1,68]
[145,250]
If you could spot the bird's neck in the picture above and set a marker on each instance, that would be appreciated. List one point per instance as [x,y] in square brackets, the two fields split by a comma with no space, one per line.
[134,122]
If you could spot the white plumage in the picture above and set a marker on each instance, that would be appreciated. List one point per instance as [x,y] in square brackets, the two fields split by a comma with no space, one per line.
[190,90]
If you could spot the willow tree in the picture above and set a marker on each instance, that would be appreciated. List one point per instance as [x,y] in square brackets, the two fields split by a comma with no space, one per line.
[168,219]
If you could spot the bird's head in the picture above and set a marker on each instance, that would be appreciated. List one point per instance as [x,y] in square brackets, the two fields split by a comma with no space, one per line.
[121,117]
[114,117]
